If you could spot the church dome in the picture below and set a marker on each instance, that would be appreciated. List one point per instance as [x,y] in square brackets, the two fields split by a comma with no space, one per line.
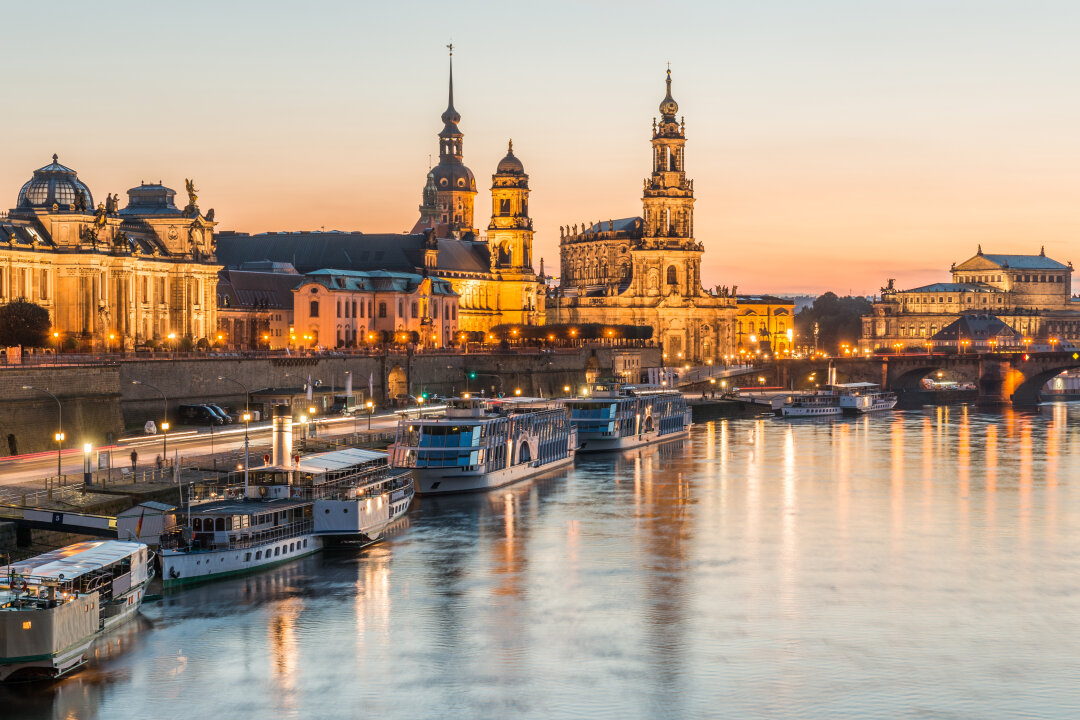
[453,176]
[510,164]
[51,184]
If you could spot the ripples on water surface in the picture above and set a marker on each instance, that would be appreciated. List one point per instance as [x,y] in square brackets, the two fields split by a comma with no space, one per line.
[921,564]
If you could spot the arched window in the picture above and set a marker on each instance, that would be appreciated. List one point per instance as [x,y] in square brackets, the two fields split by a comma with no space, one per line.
[382,309]
[453,311]
[354,309]
[401,308]
[672,276]
[415,310]
[314,308]
[446,312]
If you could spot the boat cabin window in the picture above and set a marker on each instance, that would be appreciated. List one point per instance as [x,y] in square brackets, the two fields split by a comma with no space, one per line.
[219,524]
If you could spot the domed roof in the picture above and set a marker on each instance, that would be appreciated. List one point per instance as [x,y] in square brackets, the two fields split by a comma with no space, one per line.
[453,176]
[668,106]
[510,164]
[54,183]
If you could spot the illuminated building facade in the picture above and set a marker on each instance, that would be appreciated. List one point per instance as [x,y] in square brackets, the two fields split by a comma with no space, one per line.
[647,270]
[110,277]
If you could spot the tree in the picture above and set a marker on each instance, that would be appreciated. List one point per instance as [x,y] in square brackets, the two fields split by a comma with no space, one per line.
[24,323]
[839,320]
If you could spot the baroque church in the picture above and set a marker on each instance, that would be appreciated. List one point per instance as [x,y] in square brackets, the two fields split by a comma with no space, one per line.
[647,270]
[492,274]
[110,277]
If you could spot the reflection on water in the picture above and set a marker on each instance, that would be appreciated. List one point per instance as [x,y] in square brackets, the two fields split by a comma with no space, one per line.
[919,564]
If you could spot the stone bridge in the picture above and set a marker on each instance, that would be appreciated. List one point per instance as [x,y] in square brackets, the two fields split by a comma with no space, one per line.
[1001,378]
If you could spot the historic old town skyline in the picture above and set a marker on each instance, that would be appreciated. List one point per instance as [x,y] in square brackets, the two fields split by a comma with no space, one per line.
[899,140]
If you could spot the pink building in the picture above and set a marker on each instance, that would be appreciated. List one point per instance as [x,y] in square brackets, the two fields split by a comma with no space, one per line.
[346,308]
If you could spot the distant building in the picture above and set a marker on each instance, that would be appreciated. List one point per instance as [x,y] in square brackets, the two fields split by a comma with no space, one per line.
[341,308]
[255,305]
[110,277]
[766,323]
[1032,294]
[978,333]
[492,275]
[647,270]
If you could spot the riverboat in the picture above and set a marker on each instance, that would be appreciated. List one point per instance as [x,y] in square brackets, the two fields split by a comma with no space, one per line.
[863,397]
[618,416]
[290,508]
[53,607]
[821,403]
[480,444]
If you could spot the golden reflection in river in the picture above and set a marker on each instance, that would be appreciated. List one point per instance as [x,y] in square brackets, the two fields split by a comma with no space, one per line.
[371,608]
[284,648]
[1025,479]
[927,451]
[896,482]
[963,473]
[990,463]
[788,531]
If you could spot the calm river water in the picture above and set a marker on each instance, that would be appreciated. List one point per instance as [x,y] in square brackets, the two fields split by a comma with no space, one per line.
[922,564]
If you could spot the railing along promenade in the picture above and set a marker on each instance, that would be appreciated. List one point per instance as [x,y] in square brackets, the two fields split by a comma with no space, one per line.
[50,359]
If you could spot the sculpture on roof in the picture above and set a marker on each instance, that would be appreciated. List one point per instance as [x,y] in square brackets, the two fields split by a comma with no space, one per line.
[80,200]
[100,216]
[112,204]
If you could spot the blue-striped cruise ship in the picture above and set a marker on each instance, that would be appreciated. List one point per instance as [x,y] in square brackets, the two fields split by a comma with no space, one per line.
[484,443]
[616,416]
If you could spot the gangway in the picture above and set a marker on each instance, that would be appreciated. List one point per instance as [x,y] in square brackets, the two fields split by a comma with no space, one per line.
[59,520]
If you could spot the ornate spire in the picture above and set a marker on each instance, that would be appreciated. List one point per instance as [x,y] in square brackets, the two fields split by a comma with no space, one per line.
[668,106]
[451,117]
[979,252]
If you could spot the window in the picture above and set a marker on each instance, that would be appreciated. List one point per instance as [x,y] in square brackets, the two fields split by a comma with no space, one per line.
[277,551]
[247,557]
[415,310]
[672,276]
[258,555]
[382,309]
[354,309]
[453,311]
[446,312]
[401,308]
[43,289]
[314,308]
[339,308]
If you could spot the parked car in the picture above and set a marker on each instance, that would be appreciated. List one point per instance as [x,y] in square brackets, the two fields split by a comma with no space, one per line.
[199,414]
[221,413]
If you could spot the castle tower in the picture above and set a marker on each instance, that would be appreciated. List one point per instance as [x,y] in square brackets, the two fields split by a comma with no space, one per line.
[668,202]
[510,232]
[455,186]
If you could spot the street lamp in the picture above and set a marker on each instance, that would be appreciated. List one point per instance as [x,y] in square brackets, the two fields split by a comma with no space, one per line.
[370,409]
[247,393]
[87,449]
[247,451]
[314,425]
[56,355]
[566,389]
[164,416]
[59,436]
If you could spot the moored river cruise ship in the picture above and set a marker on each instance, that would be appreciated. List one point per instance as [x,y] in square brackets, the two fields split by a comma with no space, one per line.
[484,443]
[289,509]
[54,606]
[616,416]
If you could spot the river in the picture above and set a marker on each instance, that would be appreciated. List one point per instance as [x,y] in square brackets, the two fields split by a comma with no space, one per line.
[919,564]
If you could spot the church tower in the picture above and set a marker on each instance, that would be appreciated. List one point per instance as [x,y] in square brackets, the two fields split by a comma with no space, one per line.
[455,186]
[669,204]
[510,232]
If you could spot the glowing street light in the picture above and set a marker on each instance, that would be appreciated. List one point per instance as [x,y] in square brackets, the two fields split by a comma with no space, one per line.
[370,409]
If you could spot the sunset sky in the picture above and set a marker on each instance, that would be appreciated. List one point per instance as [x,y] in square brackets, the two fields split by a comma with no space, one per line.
[833,144]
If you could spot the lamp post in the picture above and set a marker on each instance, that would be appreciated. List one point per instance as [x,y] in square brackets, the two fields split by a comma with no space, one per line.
[164,417]
[87,449]
[370,409]
[56,355]
[247,451]
[314,425]
[247,393]
[59,436]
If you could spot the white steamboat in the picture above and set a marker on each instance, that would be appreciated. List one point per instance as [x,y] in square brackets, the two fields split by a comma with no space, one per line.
[288,509]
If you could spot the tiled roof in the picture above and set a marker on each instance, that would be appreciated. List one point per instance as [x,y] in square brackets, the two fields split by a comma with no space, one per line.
[975,327]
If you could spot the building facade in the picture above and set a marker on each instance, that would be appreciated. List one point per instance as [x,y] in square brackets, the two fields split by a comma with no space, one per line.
[110,277]
[255,306]
[765,323]
[340,308]
[1032,294]
[647,270]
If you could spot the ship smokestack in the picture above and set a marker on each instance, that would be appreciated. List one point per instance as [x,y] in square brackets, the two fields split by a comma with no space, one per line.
[281,437]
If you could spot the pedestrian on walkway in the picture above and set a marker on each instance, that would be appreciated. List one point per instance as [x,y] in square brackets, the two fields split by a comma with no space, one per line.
[134,461]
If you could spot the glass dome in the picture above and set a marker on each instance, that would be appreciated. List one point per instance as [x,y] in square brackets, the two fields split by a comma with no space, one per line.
[54,183]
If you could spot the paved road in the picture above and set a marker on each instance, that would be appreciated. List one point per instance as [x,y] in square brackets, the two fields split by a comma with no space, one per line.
[187,441]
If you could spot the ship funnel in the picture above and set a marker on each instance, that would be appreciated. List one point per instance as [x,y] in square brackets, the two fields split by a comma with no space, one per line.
[281,438]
